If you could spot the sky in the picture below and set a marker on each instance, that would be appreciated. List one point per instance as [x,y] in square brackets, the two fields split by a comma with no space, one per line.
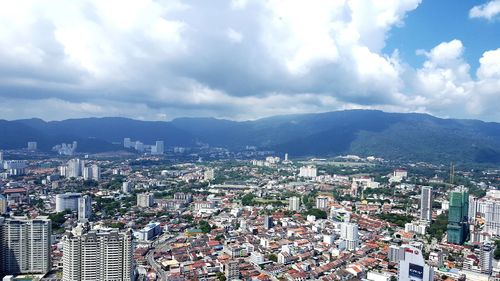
[247,59]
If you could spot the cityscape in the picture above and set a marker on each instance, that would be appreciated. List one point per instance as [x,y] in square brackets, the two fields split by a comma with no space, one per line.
[250,140]
[261,216]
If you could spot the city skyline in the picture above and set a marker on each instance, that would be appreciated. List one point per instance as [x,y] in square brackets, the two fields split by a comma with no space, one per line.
[244,60]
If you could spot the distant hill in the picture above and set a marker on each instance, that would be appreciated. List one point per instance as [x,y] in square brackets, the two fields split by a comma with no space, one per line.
[407,136]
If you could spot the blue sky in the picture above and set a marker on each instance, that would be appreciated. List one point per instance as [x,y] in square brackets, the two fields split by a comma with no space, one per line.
[248,59]
[435,21]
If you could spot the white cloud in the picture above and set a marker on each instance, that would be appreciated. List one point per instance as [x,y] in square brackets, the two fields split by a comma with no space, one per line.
[234,36]
[242,59]
[487,11]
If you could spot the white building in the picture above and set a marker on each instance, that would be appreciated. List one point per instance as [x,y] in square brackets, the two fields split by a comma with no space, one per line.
[145,200]
[96,172]
[416,227]
[97,255]
[294,203]
[257,258]
[413,266]
[321,202]
[75,168]
[127,143]
[25,245]
[84,207]
[426,203]
[308,171]
[349,233]
[149,232]
[158,148]
[126,187]
[209,174]
[67,201]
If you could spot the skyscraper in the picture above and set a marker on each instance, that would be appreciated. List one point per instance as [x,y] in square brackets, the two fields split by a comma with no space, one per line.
[349,233]
[84,207]
[97,255]
[75,167]
[96,172]
[268,222]
[160,149]
[426,203]
[294,203]
[25,245]
[458,228]
[486,257]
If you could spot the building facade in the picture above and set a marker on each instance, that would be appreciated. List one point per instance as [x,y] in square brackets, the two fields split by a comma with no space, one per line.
[97,255]
[426,203]
[458,227]
[25,245]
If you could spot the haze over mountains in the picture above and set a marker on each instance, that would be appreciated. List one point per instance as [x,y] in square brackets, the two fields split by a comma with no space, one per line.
[409,136]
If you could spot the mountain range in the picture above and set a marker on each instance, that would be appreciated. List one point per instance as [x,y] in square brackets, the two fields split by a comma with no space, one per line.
[397,136]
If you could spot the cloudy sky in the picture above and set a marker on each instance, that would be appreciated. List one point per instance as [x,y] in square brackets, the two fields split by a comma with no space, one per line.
[245,59]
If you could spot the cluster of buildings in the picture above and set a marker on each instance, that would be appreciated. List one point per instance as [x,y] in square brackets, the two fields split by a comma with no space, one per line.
[156,149]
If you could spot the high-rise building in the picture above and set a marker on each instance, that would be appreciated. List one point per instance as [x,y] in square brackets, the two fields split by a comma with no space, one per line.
[321,202]
[308,172]
[294,203]
[96,172]
[126,187]
[97,255]
[349,233]
[145,200]
[486,257]
[84,207]
[232,270]
[1,157]
[160,149]
[209,174]
[67,201]
[127,143]
[87,173]
[490,210]
[25,245]
[139,146]
[268,222]
[458,228]
[473,208]
[75,168]
[413,267]
[396,253]
[32,145]
[426,203]
[3,204]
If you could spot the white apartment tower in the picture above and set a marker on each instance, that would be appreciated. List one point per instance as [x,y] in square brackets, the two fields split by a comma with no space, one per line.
[426,204]
[349,233]
[84,207]
[294,203]
[25,245]
[160,148]
[321,202]
[97,255]
[145,200]
[308,171]
[96,172]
